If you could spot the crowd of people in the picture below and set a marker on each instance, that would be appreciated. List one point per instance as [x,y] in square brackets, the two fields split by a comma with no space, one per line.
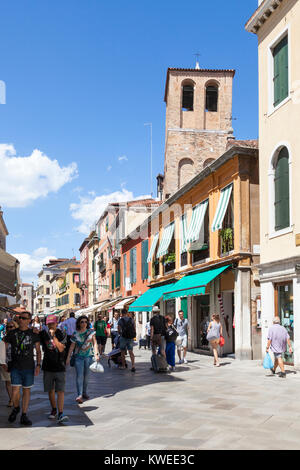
[77,342]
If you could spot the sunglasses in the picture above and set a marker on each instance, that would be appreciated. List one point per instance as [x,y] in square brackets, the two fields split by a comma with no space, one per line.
[83,321]
[10,327]
[24,318]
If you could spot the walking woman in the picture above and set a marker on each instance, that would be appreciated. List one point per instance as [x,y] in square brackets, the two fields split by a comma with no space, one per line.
[171,335]
[214,332]
[84,342]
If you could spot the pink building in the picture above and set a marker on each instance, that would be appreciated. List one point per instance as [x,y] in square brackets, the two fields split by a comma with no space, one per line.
[84,273]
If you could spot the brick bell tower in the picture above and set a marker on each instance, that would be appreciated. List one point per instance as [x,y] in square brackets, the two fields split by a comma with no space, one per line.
[198,122]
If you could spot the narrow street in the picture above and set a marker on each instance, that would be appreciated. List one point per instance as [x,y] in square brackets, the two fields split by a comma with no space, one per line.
[237,406]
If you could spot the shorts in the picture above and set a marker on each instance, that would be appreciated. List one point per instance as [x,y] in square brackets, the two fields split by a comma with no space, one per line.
[277,355]
[126,343]
[54,381]
[101,340]
[22,378]
[156,340]
[5,376]
[183,342]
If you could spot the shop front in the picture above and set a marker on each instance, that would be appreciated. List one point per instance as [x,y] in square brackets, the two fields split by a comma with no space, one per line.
[284,309]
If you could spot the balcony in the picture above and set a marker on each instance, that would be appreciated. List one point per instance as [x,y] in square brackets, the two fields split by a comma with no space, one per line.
[116,255]
[102,267]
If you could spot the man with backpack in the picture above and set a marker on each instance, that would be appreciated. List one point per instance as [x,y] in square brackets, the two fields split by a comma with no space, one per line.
[126,328]
[158,332]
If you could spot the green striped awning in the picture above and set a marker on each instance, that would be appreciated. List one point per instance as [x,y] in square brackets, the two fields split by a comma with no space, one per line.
[221,209]
[193,284]
[165,241]
[183,233]
[146,302]
[196,222]
[152,249]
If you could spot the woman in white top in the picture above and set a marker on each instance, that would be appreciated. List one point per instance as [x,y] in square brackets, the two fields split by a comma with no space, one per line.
[214,332]
[37,324]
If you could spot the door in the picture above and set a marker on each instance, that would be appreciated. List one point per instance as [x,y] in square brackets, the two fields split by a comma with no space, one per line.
[285,311]
[202,323]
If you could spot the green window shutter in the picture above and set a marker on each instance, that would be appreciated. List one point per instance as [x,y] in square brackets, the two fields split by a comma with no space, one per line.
[117,278]
[281,71]
[112,282]
[282,191]
[184,307]
[144,260]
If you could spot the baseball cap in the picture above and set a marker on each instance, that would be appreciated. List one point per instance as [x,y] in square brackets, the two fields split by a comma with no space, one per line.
[51,319]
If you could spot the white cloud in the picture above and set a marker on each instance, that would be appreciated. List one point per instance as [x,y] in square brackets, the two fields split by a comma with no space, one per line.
[123,158]
[31,264]
[109,168]
[88,210]
[25,179]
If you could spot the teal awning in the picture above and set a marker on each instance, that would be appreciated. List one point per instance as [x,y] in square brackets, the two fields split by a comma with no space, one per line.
[222,208]
[193,284]
[146,302]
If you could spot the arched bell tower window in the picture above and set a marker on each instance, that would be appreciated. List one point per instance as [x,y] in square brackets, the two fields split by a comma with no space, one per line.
[211,102]
[188,97]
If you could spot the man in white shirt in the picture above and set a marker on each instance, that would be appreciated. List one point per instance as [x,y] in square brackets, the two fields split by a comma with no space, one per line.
[181,325]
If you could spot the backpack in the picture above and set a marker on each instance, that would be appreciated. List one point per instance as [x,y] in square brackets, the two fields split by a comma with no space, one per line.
[171,334]
[128,328]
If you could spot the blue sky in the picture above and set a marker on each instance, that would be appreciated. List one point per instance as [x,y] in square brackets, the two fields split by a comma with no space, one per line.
[82,77]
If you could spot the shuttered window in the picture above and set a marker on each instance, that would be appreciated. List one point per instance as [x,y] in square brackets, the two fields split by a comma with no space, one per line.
[282,190]
[124,269]
[112,282]
[117,278]
[281,71]
[133,266]
[144,260]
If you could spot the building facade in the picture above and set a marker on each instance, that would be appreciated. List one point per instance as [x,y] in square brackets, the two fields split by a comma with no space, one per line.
[26,293]
[276,24]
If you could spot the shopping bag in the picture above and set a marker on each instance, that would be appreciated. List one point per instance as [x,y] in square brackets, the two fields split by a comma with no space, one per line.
[268,363]
[97,367]
[222,341]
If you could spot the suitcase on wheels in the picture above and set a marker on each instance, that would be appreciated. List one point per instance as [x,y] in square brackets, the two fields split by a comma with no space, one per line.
[142,342]
[159,363]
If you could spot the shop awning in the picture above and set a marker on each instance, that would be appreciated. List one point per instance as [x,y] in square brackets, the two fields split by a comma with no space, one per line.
[146,302]
[152,249]
[9,274]
[124,302]
[166,240]
[110,304]
[222,208]
[89,310]
[197,222]
[193,284]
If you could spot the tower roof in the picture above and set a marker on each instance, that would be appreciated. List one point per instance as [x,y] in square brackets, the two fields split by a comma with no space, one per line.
[197,72]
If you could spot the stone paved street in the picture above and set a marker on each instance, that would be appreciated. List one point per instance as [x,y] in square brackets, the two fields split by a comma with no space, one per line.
[236,406]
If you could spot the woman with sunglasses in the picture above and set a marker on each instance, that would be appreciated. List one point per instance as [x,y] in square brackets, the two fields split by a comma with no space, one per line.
[84,345]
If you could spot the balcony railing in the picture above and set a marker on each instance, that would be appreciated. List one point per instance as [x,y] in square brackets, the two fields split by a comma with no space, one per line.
[116,255]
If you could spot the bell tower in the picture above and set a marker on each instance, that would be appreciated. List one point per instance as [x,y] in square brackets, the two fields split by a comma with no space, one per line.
[198,122]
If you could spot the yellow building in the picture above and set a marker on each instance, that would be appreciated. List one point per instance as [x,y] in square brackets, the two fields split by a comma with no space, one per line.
[68,289]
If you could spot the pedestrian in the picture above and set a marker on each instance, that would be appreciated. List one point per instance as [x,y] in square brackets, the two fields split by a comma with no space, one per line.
[100,327]
[5,360]
[22,371]
[61,321]
[148,334]
[278,338]
[36,325]
[53,341]
[70,327]
[126,328]
[83,342]
[181,324]
[158,331]
[171,335]
[214,332]
[107,331]
[114,329]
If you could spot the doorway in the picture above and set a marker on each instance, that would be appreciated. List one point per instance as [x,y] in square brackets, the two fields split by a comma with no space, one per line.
[202,322]
[284,309]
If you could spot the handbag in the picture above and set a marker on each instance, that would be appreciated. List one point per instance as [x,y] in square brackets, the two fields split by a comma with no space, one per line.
[222,341]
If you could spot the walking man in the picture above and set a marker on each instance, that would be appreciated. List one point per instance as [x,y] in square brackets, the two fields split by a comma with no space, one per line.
[181,324]
[278,338]
[22,369]
[53,341]
[158,332]
[70,326]
[100,328]
[114,329]
[127,332]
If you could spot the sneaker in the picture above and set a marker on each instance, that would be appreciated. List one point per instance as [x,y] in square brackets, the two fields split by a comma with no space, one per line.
[272,370]
[86,397]
[62,418]
[53,414]
[133,369]
[13,415]
[79,399]
[180,361]
[282,375]
[25,421]
[185,361]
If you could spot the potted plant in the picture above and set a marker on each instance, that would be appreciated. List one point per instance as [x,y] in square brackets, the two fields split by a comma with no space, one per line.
[227,239]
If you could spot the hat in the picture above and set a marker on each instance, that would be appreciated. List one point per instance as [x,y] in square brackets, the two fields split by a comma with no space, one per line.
[21,309]
[155,309]
[51,319]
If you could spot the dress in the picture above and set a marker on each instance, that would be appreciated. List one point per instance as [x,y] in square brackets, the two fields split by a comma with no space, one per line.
[214,332]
